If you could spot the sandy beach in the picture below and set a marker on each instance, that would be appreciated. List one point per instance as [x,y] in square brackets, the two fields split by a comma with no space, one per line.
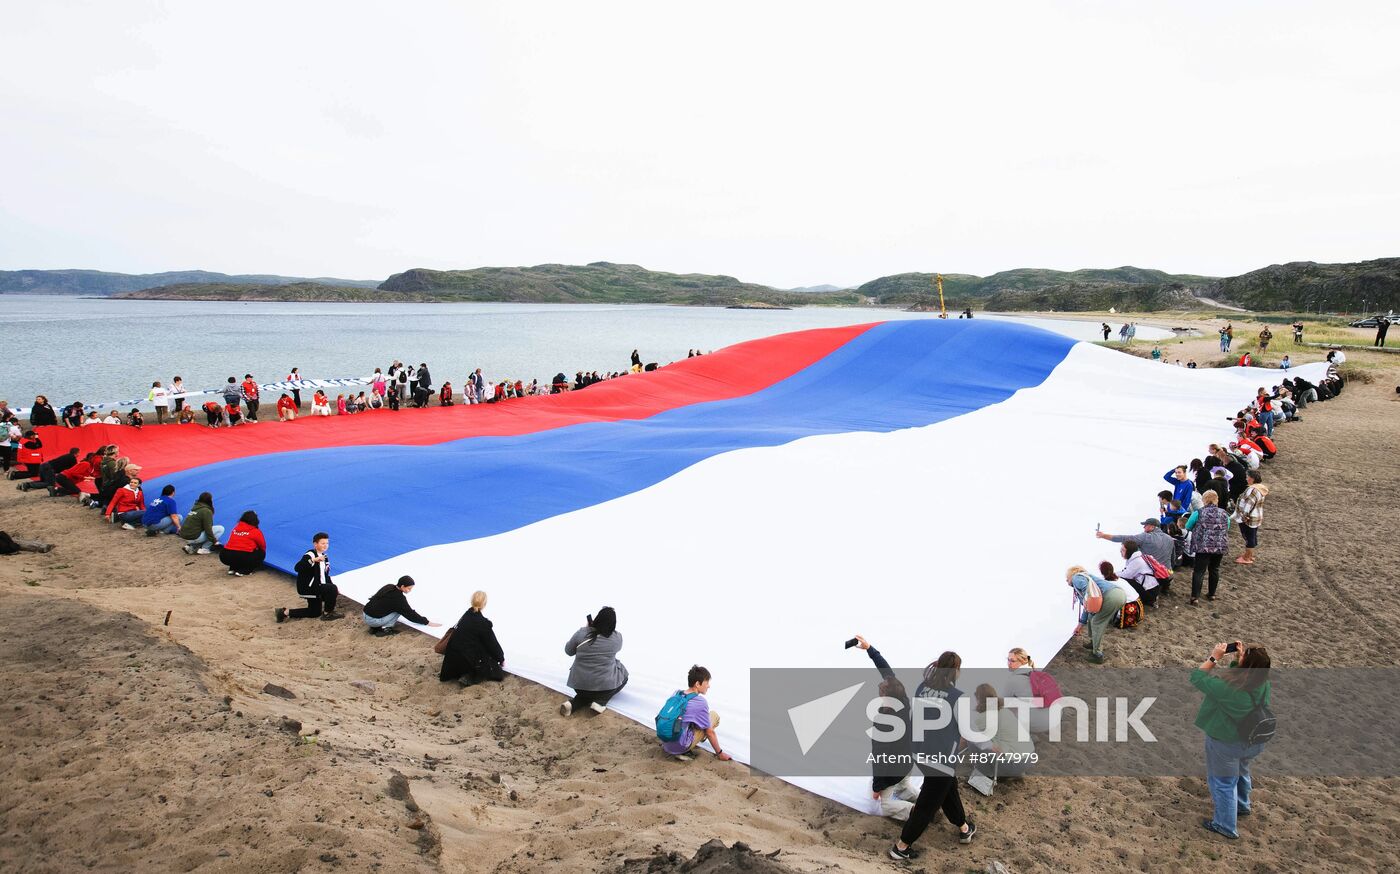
[140,731]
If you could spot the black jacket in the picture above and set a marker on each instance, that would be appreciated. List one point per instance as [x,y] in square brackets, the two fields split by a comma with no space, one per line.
[390,600]
[473,645]
[42,415]
[309,573]
[898,753]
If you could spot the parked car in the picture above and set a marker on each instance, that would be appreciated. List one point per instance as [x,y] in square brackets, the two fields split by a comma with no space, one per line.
[1375,321]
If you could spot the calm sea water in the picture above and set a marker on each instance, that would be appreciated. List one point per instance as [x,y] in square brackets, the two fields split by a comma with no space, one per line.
[99,351]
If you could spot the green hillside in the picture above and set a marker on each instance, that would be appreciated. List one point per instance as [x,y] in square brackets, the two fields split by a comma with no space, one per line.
[1365,286]
[599,282]
[99,282]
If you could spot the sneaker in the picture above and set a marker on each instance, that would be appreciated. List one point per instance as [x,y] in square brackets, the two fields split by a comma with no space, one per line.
[203,550]
[966,837]
[388,632]
[127,526]
[188,548]
[230,571]
[376,632]
[903,855]
[238,573]
[598,708]
[566,708]
[331,616]
[151,532]
[1097,658]
[281,614]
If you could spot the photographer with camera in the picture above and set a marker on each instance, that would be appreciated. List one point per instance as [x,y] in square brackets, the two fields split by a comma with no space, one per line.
[1237,722]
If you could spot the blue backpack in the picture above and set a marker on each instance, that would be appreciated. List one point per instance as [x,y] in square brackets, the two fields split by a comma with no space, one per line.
[668,721]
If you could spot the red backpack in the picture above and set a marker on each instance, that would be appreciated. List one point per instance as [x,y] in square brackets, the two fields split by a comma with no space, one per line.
[1159,570]
[1044,687]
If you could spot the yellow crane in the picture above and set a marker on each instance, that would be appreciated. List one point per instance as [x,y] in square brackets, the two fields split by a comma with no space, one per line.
[942,307]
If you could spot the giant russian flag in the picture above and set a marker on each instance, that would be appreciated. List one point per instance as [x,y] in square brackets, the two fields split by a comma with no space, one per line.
[924,483]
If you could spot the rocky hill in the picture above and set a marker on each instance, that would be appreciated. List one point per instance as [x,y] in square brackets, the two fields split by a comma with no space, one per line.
[1300,286]
[599,282]
[99,282]
[1031,288]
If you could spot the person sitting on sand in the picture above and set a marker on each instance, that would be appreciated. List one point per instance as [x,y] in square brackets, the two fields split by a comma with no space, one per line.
[340,405]
[198,531]
[121,472]
[245,549]
[698,722]
[1013,754]
[1138,573]
[320,406]
[314,584]
[185,416]
[473,655]
[361,403]
[445,396]
[390,604]
[112,418]
[135,419]
[68,482]
[286,408]
[1027,682]
[162,515]
[891,760]
[596,675]
[128,505]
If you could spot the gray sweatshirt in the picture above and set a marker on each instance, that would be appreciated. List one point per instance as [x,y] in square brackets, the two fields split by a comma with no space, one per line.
[596,668]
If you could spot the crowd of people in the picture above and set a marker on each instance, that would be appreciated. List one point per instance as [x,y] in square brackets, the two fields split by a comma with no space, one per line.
[239,402]
[1191,527]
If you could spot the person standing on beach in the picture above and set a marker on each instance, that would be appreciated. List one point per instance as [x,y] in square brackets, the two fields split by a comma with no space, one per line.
[1249,514]
[233,395]
[295,377]
[1381,329]
[1237,724]
[1264,337]
[250,396]
[161,399]
[1298,332]
[177,392]
[1106,330]
[314,584]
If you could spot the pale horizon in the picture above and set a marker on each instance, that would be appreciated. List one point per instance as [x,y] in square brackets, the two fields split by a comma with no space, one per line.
[788,145]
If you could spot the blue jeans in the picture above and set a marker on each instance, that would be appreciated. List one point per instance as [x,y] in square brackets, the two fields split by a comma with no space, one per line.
[1266,419]
[1227,774]
[203,539]
[166,525]
[383,622]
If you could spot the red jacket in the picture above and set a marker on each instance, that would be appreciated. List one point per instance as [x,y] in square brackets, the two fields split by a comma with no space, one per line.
[285,404]
[250,390]
[126,500]
[245,538]
[81,471]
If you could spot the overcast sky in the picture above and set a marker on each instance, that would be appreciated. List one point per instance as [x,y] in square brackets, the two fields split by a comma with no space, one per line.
[783,143]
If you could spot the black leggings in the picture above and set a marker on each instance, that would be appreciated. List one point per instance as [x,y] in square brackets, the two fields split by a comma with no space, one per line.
[940,791]
[322,599]
[65,486]
[585,697]
[1204,561]
[243,562]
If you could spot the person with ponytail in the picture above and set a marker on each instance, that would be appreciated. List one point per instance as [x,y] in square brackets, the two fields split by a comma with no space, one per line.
[473,655]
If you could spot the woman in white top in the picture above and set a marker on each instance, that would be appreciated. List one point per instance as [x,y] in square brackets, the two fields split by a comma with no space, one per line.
[161,398]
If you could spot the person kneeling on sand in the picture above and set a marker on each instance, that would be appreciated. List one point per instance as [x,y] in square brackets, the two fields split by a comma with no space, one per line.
[596,675]
[246,548]
[698,722]
[286,409]
[471,653]
[314,584]
[198,530]
[892,760]
[386,606]
[162,515]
